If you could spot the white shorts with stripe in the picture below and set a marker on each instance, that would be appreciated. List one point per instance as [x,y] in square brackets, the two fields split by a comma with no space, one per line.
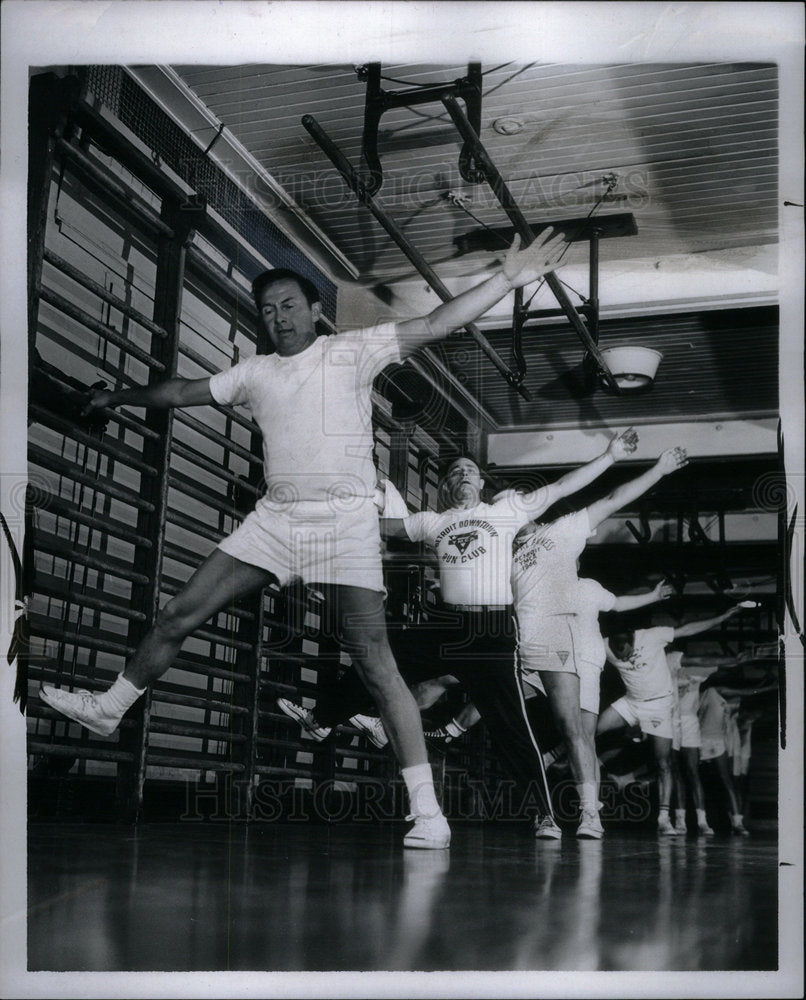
[547,643]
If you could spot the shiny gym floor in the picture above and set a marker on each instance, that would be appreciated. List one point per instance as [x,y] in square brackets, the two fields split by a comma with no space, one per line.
[303,897]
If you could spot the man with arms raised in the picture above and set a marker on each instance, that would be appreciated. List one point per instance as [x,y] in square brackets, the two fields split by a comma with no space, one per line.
[317,522]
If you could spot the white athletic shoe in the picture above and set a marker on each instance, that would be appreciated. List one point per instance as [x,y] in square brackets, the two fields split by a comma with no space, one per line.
[704,830]
[590,826]
[372,728]
[666,828]
[81,706]
[739,830]
[429,833]
[547,829]
[305,718]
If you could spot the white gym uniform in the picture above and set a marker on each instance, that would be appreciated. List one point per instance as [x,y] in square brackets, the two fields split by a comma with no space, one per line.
[650,697]
[318,520]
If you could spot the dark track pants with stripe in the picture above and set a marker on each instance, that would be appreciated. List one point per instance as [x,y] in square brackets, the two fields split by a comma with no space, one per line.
[479,649]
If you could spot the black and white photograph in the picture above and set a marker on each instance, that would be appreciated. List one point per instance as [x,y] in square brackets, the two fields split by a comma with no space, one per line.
[401,499]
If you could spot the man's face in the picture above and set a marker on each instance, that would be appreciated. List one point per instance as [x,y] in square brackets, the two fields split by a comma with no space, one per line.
[462,482]
[287,317]
[622,646]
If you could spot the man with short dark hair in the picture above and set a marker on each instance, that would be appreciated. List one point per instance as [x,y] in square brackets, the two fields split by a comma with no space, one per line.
[317,521]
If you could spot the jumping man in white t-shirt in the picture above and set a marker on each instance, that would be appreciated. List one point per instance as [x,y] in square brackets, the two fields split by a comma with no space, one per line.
[317,521]
[546,590]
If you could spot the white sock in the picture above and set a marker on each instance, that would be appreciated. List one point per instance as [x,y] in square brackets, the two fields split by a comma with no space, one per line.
[680,817]
[120,697]
[454,729]
[587,796]
[736,819]
[420,784]
[701,820]
[663,814]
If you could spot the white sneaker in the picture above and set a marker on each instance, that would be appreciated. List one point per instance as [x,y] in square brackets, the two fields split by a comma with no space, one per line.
[739,830]
[704,830]
[305,718]
[372,728]
[547,829]
[429,833]
[665,827]
[590,826]
[81,706]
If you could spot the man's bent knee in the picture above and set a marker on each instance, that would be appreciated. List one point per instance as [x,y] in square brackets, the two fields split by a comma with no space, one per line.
[175,622]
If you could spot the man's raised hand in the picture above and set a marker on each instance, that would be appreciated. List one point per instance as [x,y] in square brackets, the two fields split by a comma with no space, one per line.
[521,267]
[672,459]
[623,444]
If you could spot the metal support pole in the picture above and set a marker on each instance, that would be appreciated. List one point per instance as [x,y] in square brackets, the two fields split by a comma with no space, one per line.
[354,182]
[180,219]
[510,206]
[593,287]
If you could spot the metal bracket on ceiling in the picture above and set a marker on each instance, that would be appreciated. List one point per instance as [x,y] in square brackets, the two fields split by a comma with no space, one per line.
[522,227]
[378,101]
[358,187]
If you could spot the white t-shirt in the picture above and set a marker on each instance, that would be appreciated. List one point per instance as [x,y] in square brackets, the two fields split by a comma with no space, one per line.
[544,572]
[314,411]
[592,598]
[712,713]
[645,673]
[686,682]
[474,548]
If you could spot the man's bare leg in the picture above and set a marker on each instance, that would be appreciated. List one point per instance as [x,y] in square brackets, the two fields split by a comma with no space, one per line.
[220,580]
[362,631]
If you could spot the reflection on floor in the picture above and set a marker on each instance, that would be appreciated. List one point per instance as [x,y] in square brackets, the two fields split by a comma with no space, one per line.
[347,897]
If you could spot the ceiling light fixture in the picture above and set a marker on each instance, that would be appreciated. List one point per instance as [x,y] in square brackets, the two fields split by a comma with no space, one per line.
[632,367]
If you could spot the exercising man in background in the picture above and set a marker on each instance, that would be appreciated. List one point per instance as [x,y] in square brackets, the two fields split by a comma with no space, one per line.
[547,595]
[640,658]
[471,635]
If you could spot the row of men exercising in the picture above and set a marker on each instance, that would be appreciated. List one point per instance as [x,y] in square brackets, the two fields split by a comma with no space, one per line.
[491,558]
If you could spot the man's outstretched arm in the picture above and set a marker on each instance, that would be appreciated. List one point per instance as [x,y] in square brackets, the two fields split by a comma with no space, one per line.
[520,267]
[669,461]
[694,628]
[160,395]
[630,602]
[536,501]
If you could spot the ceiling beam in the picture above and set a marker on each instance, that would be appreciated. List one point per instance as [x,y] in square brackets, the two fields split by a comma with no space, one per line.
[701,439]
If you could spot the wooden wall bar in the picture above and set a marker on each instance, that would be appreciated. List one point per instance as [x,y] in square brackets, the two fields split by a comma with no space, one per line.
[133,279]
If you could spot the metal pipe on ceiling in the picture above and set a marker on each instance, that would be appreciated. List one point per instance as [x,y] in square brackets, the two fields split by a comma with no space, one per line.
[510,206]
[354,182]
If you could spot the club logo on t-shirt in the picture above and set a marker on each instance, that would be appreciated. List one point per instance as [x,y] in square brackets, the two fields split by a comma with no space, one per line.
[470,543]
[462,541]
[563,655]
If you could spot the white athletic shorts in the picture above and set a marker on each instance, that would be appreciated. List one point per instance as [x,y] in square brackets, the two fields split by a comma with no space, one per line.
[327,542]
[654,715]
[589,675]
[685,729]
[711,747]
[547,643]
